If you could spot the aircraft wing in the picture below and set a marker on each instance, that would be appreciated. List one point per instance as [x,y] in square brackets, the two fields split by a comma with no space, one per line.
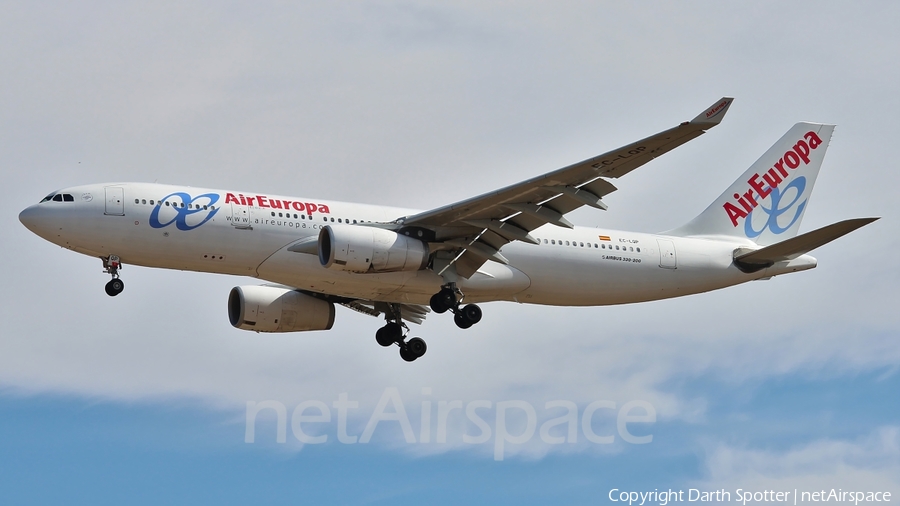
[472,231]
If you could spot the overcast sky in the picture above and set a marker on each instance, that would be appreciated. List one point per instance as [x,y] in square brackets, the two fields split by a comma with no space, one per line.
[786,383]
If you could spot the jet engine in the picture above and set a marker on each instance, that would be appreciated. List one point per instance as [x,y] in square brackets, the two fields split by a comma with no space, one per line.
[276,309]
[369,249]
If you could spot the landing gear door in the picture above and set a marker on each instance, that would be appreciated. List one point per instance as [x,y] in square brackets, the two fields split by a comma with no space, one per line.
[115,201]
[240,216]
[667,259]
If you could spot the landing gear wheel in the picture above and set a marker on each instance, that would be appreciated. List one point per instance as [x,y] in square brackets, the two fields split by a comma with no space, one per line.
[406,354]
[416,346]
[461,321]
[472,313]
[114,287]
[389,334]
[443,300]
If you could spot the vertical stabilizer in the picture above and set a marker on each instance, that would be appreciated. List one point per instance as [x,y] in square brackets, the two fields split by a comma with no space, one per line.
[766,204]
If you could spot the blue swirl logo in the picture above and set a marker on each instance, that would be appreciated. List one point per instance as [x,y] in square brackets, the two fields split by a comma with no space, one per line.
[187,210]
[774,212]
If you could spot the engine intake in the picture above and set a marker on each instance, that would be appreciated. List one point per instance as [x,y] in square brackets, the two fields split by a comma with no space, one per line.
[276,309]
[369,249]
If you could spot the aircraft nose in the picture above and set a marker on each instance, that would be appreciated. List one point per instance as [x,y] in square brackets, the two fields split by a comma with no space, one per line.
[30,218]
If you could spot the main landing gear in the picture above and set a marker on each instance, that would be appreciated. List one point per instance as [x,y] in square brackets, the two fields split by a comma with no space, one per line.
[448,299]
[111,266]
[393,333]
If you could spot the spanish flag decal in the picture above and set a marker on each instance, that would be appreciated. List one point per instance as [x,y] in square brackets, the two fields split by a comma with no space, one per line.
[604,237]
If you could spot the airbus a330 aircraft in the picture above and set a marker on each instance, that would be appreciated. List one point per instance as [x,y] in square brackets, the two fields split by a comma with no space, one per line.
[512,244]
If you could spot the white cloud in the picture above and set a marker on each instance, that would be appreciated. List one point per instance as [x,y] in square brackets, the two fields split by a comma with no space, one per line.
[867,464]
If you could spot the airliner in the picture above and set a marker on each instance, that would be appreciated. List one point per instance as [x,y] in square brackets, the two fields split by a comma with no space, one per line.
[512,244]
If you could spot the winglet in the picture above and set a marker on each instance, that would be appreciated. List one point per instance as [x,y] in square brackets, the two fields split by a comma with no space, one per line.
[713,114]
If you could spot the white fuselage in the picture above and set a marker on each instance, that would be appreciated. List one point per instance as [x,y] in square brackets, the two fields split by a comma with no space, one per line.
[249,234]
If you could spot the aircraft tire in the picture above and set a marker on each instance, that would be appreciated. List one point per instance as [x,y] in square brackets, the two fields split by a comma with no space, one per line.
[416,346]
[461,321]
[407,355]
[442,301]
[472,313]
[389,334]
[114,287]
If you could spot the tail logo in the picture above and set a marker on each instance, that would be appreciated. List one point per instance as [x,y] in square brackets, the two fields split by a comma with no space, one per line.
[761,187]
[774,212]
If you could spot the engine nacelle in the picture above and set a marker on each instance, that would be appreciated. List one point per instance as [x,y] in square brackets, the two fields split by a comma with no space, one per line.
[275,309]
[369,249]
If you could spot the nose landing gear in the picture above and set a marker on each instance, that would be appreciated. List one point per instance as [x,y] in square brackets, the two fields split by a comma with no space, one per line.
[393,333]
[448,299]
[111,266]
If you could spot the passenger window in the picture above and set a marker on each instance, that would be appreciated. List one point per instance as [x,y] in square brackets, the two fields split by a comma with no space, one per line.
[151,202]
[354,222]
[332,220]
[639,250]
[339,220]
[137,201]
[545,241]
[182,204]
[204,208]
[273,214]
[581,244]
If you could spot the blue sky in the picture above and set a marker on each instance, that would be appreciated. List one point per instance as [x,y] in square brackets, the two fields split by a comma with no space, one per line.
[787,383]
[58,448]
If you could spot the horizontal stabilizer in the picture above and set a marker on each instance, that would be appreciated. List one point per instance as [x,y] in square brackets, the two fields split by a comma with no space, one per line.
[754,260]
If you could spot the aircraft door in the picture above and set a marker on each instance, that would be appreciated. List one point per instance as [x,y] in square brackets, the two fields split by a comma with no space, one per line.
[240,216]
[667,258]
[115,201]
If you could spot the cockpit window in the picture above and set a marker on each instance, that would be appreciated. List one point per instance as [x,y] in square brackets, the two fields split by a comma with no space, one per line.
[59,197]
